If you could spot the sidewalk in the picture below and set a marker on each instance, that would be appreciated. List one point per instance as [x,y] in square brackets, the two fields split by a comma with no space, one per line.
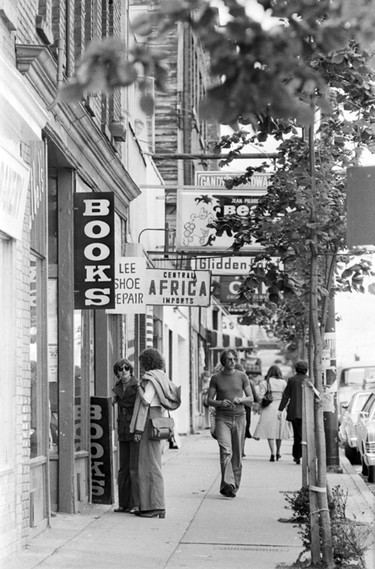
[202,529]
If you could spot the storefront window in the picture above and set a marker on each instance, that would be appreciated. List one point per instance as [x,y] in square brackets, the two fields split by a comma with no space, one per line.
[53,365]
[7,383]
[36,421]
[52,317]
[33,359]
[78,391]
[83,373]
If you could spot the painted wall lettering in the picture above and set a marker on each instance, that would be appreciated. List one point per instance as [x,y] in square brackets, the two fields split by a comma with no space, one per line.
[101,451]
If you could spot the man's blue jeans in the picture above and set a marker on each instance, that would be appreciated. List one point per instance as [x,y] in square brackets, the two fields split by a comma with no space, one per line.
[230,434]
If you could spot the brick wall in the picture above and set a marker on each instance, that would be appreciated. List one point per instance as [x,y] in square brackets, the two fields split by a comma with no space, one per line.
[15,481]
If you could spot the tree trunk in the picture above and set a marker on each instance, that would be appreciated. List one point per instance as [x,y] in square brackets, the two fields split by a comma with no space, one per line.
[316,341]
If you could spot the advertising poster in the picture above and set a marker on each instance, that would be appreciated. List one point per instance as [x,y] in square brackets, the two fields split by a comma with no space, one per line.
[198,209]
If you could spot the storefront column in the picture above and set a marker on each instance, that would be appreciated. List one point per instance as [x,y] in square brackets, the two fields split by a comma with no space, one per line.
[103,360]
[66,486]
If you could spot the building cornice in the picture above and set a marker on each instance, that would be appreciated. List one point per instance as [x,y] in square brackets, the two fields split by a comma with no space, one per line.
[72,129]
[21,112]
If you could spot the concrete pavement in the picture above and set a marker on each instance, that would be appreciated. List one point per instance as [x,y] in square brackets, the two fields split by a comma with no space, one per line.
[202,529]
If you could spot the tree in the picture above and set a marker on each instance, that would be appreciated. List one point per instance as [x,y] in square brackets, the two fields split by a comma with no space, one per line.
[273,79]
[281,221]
[301,220]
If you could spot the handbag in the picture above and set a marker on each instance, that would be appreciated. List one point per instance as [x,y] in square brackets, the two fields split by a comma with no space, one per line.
[267,397]
[161,428]
[213,422]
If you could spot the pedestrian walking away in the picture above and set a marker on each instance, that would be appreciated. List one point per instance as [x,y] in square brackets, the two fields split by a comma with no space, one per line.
[253,368]
[226,395]
[156,393]
[269,426]
[292,397]
[125,392]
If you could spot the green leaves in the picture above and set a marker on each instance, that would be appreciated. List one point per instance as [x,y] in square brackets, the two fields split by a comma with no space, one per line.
[255,68]
[105,66]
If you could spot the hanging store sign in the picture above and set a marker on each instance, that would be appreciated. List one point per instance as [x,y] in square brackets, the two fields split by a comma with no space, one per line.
[227,289]
[178,288]
[213,178]
[94,247]
[197,210]
[14,180]
[223,265]
[130,286]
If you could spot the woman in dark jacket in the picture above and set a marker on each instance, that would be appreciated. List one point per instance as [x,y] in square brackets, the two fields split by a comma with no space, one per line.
[125,391]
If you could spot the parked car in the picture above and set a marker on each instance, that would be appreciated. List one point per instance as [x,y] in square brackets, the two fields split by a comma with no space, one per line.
[366,438]
[348,425]
[352,377]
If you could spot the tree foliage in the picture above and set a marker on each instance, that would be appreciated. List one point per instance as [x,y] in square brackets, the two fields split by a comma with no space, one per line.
[259,70]
[281,222]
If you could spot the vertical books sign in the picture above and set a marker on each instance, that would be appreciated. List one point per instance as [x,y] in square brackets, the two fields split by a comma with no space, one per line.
[94,250]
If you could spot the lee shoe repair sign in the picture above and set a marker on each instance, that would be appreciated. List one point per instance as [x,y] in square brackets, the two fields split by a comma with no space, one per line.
[136,287]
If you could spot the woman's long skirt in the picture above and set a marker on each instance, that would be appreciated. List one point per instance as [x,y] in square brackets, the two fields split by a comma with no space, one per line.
[150,476]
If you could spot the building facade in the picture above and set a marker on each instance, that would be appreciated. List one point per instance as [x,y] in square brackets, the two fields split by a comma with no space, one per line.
[179,130]
[57,356]
[56,359]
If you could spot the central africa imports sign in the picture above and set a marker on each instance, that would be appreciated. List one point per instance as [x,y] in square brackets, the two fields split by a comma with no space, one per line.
[179,288]
[137,287]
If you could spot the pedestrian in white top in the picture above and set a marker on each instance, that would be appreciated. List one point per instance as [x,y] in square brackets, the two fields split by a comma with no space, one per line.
[269,426]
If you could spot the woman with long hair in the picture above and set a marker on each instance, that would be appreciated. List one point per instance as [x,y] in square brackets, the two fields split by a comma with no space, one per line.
[269,426]
[155,394]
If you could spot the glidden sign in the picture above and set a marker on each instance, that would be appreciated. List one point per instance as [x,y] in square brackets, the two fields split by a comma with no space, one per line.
[94,250]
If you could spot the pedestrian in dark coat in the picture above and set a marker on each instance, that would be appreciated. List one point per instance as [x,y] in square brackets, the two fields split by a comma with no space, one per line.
[292,397]
[125,392]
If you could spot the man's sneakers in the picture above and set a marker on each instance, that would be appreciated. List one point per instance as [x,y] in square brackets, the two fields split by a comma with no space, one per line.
[228,491]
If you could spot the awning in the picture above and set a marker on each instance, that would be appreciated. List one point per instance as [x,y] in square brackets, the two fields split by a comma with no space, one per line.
[219,341]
